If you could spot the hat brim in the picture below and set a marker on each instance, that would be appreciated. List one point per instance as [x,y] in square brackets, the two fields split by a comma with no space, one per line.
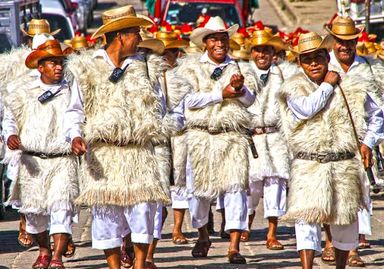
[276,42]
[177,44]
[198,34]
[344,37]
[122,23]
[35,56]
[52,33]
[240,55]
[153,44]
[326,43]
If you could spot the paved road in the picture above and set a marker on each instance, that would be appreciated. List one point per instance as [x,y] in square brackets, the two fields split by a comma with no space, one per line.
[172,256]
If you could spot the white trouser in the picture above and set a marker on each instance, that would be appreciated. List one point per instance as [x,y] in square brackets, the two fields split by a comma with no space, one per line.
[158,221]
[111,223]
[235,211]
[308,236]
[57,222]
[274,191]
[364,216]
[179,201]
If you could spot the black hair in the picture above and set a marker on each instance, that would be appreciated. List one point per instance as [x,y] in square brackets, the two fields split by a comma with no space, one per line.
[211,35]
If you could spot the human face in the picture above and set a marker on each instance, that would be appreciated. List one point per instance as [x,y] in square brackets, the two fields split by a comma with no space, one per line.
[345,50]
[51,70]
[217,46]
[129,38]
[171,55]
[315,64]
[263,56]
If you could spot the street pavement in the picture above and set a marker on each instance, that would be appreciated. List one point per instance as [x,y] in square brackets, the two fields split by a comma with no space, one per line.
[173,256]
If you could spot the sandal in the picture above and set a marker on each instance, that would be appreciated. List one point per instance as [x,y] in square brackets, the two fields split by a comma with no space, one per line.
[71,248]
[355,261]
[273,244]
[42,262]
[25,239]
[127,257]
[364,244]
[56,264]
[179,239]
[201,249]
[244,237]
[235,257]
[149,265]
[328,255]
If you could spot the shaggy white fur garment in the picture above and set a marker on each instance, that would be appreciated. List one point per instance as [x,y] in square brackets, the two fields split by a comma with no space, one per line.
[325,192]
[45,185]
[219,162]
[127,113]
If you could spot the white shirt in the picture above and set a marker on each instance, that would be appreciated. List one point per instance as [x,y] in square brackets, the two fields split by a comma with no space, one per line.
[258,71]
[204,99]
[358,60]
[73,119]
[305,107]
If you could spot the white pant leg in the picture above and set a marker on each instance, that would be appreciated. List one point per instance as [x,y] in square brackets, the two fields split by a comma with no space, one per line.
[36,223]
[364,219]
[158,221]
[345,237]
[61,222]
[275,193]
[140,220]
[109,225]
[179,201]
[236,217]
[220,203]
[308,236]
[255,194]
[199,210]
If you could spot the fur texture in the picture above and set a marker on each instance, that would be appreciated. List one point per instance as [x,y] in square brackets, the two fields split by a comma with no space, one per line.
[13,65]
[127,113]
[273,158]
[219,162]
[325,192]
[45,184]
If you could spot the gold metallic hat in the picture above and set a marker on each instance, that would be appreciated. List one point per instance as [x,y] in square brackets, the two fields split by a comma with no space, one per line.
[171,40]
[312,41]
[239,38]
[266,38]
[79,42]
[241,54]
[193,48]
[50,48]
[365,48]
[39,26]
[344,28]
[121,18]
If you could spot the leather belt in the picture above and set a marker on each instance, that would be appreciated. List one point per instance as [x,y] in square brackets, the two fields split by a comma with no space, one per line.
[325,157]
[46,155]
[214,131]
[265,130]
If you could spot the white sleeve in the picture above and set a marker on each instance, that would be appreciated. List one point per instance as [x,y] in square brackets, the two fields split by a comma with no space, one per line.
[375,121]
[248,98]
[9,125]
[204,99]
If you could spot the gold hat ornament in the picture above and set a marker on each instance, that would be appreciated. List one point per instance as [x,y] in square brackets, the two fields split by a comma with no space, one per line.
[343,28]
[312,41]
[121,18]
[51,48]
[39,26]
[171,40]
[266,38]
[79,43]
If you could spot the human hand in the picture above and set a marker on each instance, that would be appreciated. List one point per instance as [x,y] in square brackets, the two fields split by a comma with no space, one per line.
[332,78]
[366,155]
[13,142]
[237,81]
[78,146]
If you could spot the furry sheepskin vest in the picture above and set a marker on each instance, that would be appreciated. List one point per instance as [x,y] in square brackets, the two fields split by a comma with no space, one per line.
[325,192]
[12,65]
[45,184]
[219,161]
[123,122]
[273,158]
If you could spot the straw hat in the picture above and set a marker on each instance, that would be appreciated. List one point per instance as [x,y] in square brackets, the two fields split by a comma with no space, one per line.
[366,48]
[214,25]
[241,54]
[239,38]
[40,39]
[79,42]
[266,38]
[121,18]
[50,48]
[39,26]
[380,54]
[171,40]
[343,28]
[312,41]
[193,48]
[152,44]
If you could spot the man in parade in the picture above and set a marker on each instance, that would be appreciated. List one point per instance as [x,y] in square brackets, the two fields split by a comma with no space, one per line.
[217,141]
[323,136]
[37,117]
[123,119]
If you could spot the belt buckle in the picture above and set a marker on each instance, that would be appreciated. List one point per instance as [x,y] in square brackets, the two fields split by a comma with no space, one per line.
[323,157]
[259,130]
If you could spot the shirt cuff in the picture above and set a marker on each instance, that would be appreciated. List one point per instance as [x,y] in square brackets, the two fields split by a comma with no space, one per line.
[326,87]
[370,142]
[217,96]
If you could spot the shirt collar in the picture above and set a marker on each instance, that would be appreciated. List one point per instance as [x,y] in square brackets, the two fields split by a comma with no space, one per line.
[205,59]
[258,71]
[102,53]
[358,60]
[52,87]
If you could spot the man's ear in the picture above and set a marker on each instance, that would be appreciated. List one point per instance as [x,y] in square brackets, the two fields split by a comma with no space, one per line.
[40,67]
